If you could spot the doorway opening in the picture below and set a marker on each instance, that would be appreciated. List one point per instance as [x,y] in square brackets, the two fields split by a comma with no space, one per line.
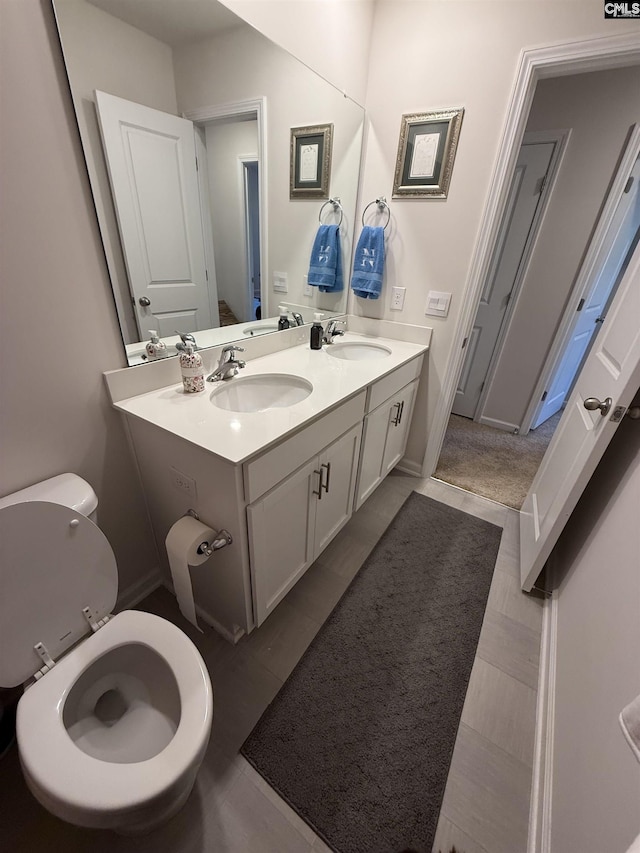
[561,269]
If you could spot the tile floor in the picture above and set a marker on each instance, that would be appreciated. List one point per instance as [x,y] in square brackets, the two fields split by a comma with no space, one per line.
[232,809]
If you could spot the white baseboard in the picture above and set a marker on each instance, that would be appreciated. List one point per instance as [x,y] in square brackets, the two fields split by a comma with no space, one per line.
[542,782]
[492,422]
[134,593]
[408,467]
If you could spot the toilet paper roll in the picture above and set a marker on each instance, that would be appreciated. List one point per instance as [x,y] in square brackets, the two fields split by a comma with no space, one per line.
[183,541]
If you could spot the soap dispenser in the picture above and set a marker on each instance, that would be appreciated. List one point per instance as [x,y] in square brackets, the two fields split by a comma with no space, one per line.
[192,369]
[317,331]
[155,348]
[283,322]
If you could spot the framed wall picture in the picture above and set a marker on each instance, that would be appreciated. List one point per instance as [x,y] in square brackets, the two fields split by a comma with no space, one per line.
[310,168]
[426,151]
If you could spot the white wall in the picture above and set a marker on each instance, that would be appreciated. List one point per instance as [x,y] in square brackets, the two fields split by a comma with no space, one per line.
[102,52]
[596,778]
[332,36]
[226,143]
[431,55]
[58,325]
[599,108]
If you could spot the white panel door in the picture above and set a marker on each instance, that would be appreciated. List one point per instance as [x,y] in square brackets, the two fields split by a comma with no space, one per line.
[611,372]
[152,169]
[524,195]
[593,303]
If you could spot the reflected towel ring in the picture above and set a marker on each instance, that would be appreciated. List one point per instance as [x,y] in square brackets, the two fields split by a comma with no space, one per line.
[382,203]
[336,206]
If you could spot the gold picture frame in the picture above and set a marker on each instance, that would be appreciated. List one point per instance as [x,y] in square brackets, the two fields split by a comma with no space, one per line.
[310,161]
[426,151]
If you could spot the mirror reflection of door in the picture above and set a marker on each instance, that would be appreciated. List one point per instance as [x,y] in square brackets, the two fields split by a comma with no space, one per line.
[182,215]
[151,162]
[252,235]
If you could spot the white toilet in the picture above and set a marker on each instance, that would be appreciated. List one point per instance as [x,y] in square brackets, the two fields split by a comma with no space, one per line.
[112,727]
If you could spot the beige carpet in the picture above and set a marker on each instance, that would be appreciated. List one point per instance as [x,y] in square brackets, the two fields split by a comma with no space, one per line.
[491,462]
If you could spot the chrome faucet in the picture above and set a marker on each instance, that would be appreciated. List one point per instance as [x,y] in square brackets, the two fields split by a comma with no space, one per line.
[297,318]
[184,337]
[228,365]
[332,331]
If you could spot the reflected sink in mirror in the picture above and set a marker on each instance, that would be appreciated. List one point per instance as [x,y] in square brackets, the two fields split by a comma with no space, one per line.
[357,350]
[259,393]
[260,330]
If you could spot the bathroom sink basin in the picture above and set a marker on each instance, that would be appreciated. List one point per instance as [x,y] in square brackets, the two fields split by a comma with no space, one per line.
[261,329]
[358,350]
[259,393]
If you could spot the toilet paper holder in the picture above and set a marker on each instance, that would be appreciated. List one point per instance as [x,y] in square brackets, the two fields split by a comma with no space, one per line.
[207,548]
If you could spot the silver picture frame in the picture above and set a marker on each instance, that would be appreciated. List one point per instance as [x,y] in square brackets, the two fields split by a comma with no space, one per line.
[310,159]
[426,152]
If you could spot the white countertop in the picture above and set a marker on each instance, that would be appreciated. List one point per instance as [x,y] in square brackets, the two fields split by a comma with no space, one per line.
[236,436]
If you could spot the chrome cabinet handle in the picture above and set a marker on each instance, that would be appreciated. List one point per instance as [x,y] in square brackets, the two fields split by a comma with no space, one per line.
[144,302]
[327,466]
[592,404]
[396,420]
[320,484]
[401,412]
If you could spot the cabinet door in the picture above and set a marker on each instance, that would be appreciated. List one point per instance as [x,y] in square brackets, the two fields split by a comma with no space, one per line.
[338,464]
[281,537]
[384,440]
[398,428]
[374,439]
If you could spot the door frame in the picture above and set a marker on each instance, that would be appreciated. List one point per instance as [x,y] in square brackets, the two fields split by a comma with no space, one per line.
[238,109]
[245,160]
[585,275]
[536,137]
[596,54]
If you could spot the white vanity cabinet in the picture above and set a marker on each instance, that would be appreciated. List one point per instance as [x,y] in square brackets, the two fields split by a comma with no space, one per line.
[386,429]
[295,521]
[281,482]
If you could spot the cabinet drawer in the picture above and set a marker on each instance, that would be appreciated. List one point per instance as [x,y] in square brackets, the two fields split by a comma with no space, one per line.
[264,472]
[393,382]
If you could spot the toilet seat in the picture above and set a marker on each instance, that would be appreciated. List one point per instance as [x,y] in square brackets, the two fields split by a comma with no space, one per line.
[64,775]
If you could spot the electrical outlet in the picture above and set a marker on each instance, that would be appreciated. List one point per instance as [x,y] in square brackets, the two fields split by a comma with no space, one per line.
[184,484]
[397,298]
[280,282]
[307,289]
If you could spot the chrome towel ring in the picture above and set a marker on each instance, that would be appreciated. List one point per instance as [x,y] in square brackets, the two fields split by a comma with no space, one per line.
[382,204]
[336,207]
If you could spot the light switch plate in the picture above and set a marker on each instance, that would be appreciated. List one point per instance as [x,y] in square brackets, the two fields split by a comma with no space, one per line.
[438,303]
[280,282]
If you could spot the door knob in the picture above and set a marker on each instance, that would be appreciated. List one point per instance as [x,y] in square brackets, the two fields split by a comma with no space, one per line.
[593,404]
[144,302]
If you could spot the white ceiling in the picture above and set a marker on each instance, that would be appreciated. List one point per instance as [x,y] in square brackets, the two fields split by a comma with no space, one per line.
[174,22]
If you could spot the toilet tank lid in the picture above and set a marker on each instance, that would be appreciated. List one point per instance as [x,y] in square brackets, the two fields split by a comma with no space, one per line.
[65,489]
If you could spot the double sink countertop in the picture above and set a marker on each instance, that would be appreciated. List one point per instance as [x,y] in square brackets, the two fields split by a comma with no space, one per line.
[237,436]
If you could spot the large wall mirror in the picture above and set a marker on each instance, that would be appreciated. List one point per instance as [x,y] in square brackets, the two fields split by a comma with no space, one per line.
[185,114]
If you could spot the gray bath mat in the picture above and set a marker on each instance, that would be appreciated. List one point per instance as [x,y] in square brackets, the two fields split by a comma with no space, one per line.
[359,739]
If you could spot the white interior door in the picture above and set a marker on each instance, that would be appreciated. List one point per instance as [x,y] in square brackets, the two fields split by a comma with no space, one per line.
[152,169]
[619,237]
[611,373]
[524,196]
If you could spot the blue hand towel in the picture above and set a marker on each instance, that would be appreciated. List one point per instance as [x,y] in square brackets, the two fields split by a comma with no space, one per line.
[368,263]
[325,269]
